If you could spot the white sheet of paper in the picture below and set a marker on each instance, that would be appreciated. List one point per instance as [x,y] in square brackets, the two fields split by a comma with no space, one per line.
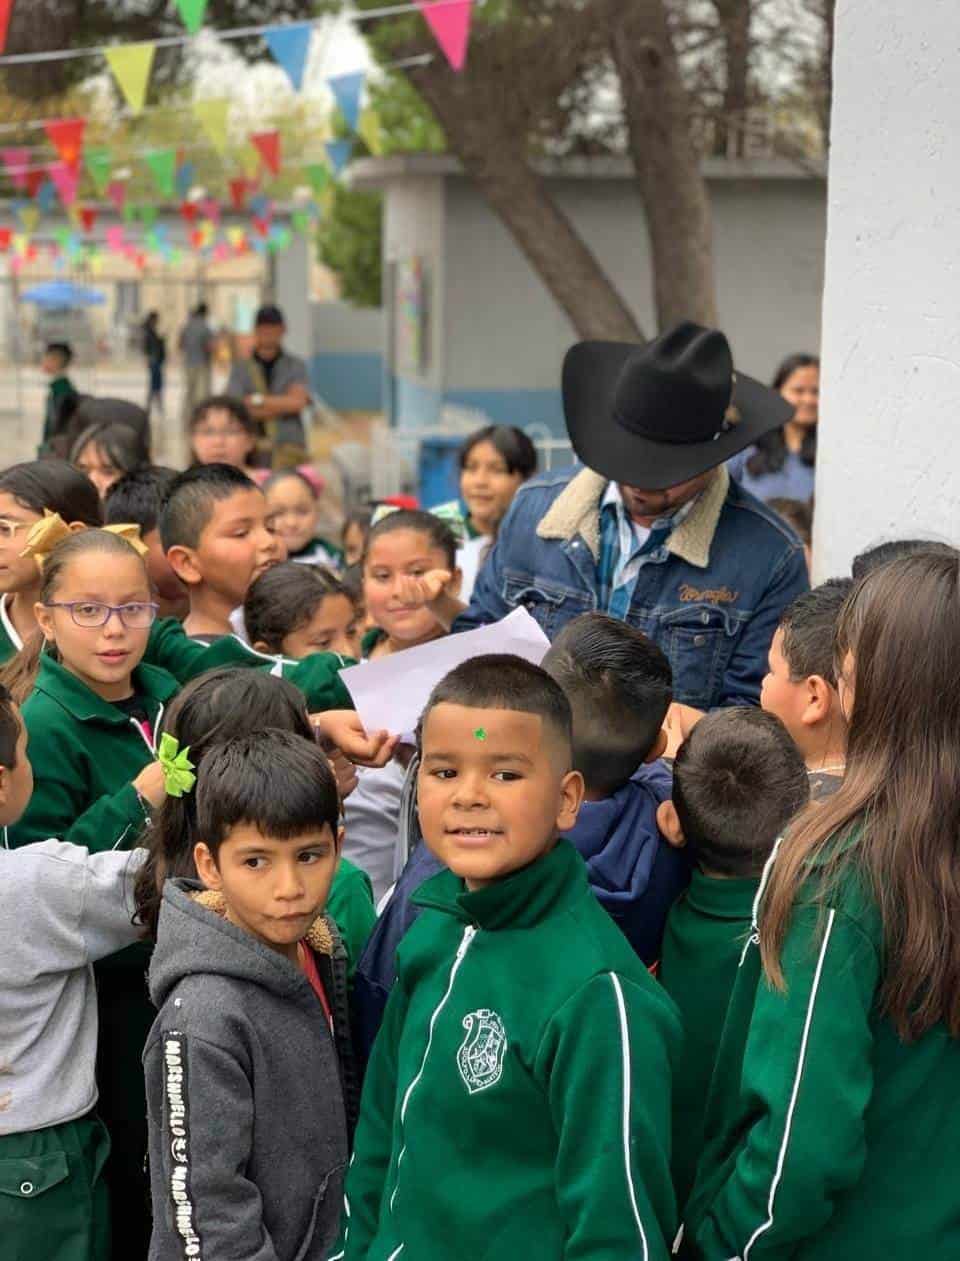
[390,693]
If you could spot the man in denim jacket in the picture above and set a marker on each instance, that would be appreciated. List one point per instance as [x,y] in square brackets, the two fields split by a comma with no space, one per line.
[653,530]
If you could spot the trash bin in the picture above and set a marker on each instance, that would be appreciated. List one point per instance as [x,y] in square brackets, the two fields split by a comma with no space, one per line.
[439,469]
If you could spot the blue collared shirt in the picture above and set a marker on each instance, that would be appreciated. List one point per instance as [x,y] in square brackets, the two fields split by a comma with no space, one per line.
[626,547]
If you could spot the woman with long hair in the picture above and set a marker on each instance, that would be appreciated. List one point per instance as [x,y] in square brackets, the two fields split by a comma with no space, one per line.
[781,464]
[833,1128]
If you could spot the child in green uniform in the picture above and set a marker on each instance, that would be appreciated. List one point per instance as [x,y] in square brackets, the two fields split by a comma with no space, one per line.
[833,1128]
[800,687]
[293,610]
[61,909]
[294,505]
[737,781]
[517,1102]
[62,394]
[217,537]
[27,491]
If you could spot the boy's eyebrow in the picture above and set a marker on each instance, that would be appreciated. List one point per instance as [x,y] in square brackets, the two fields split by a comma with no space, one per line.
[490,757]
[248,850]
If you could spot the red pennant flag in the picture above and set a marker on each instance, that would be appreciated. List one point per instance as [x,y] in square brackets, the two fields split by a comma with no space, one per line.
[66,136]
[32,253]
[88,217]
[267,144]
[262,225]
[5,8]
[196,238]
[117,192]
[33,181]
[238,193]
[6,236]
[188,211]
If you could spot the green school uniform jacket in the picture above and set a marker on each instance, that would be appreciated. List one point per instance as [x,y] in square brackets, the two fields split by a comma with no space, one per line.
[517,1102]
[828,1139]
[350,906]
[85,752]
[706,931]
[10,641]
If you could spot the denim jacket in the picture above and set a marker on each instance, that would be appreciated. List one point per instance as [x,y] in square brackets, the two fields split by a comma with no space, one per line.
[711,597]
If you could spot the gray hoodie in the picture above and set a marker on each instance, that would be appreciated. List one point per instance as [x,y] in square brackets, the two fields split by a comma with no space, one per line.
[248,1141]
[61,909]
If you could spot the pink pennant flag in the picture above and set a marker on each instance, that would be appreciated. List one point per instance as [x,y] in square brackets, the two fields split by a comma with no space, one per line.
[221,252]
[450,22]
[16,162]
[117,192]
[115,239]
[64,181]
[211,209]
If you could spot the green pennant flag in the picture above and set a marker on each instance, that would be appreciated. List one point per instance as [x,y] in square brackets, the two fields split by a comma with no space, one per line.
[279,240]
[191,14]
[153,241]
[301,221]
[318,174]
[63,237]
[99,164]
[163,167]
[147,215]
[130,211]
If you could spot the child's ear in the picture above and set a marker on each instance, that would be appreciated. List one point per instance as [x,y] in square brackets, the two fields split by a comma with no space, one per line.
[44,618]
[659,747]
[262,646]
[182,560]
[668,821]
[338,839]
[4,784]
[206,867]
[819,699]
[455,583]
[572,789]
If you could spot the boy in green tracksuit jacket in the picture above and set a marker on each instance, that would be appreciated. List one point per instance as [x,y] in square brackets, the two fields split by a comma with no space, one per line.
[517,1102]
[737,781]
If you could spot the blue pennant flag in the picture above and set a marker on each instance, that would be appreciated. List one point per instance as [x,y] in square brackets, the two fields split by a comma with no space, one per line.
[339,152]
[260,205]
[186,173]
[348,89]
[290,47]
[46,196]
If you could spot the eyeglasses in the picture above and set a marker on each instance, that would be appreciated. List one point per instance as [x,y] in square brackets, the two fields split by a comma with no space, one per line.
[8,528]
[90,615]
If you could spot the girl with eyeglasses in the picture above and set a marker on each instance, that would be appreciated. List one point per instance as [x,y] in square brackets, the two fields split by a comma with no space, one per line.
[94,709]
[26,492]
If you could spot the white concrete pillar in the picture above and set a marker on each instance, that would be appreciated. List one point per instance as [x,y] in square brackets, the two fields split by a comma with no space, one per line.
[889,455]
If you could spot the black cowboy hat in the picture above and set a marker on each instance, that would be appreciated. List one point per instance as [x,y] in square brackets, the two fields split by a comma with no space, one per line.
[657,415]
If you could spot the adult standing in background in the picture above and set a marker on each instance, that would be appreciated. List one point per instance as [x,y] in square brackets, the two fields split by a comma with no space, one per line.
[196,343]
[273,386]
[155,351]
[780,465]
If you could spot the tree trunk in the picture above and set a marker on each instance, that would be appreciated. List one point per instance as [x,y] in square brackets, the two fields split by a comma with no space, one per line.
[829,24]
[667,163]
[734,16]
[519,197]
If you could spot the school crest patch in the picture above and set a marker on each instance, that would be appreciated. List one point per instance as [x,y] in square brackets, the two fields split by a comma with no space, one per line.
[480,1058]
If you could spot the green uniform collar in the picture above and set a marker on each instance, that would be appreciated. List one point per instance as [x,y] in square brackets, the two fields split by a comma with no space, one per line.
[152,684]
[722,899]
[521,900]
[370,640]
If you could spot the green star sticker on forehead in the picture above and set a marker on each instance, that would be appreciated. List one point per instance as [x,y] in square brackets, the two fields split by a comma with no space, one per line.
[480,734]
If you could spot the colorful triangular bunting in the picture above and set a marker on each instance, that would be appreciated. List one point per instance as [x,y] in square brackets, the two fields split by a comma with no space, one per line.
[192,13]
[186,174]
[88,218]
[66,136]
[163,166]
[339,152]
[290,47]
[35,180]
[99,163]
[212,116]
[117,193]
[318,174]
[64,179]
[238,192]
[30,217]
[450,23]
[131,65]
[5,9]
[267,144]
[16,162]
[347,90]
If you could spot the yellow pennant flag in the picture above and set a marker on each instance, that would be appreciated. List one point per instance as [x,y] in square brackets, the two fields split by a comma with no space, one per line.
[20,242]
[131,65]
[97,262]
[212,117]
[369,131]
[236,236]
[207,232]
[29,217]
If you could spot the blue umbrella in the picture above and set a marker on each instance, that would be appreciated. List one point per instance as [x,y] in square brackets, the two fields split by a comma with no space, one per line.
[63,295]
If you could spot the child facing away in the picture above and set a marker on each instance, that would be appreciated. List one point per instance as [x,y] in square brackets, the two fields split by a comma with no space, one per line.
[293,610]
[61,909]
[738,779]
[294,504]
[62,394]
[248,1138]
[215,531]
[27,492]
[517,1101]
[800,687]
[832,1126]
[136,499]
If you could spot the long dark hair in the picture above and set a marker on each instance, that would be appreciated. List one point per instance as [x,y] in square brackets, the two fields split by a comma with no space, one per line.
[54,486]
[286,597]
[215,707]
[125,447]
[770,453]
[893,825]
[20,672]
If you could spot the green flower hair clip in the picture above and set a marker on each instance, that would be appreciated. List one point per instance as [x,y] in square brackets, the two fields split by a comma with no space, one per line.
[178,776]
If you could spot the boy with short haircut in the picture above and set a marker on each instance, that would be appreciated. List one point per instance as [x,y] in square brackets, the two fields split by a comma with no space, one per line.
[62,395]
[517,1100]
[737,781]
[136,499]
[215,532]
[61,910]
[800,687]
[620,686]
[248,1139]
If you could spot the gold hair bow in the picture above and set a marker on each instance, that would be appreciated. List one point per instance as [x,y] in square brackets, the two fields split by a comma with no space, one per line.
[51,530]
